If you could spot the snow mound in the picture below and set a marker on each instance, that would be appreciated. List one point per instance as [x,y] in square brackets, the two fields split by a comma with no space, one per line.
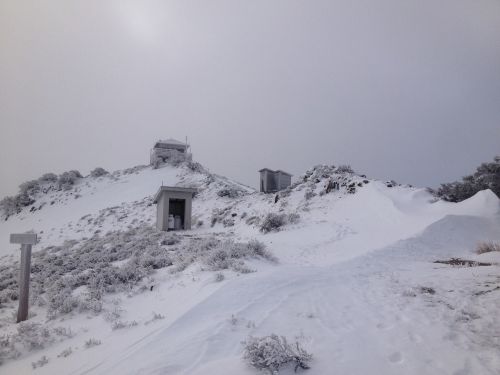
[451,236]
[484,202]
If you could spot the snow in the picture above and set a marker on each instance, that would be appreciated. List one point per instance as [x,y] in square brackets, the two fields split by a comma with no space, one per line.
[353,283]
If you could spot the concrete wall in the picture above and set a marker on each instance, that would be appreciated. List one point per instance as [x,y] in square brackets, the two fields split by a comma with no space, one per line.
[163,206]
[284,181]
[169,154]
[274,181]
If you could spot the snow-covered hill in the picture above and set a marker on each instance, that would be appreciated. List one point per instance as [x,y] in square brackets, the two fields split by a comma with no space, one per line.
[350,276]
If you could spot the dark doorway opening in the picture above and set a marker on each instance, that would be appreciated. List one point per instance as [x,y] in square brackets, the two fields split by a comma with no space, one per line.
[177,208]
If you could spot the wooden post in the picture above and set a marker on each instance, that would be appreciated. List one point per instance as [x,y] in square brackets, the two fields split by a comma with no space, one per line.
[24,283]
[26,240]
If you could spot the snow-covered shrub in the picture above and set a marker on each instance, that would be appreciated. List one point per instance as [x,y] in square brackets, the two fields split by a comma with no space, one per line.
[195,167]
[29,187]
[33,335]
[8,348]
[118,261]
[65,353]
[344,169]
[155,317]
[48,178]
[13,205]
[219,276]
[253,220]
[486,247]
[229,192]
[172,239]
[98,172]
[120,325]
[27,195]
[273,222]
[487,176]
[228,222]
[91,343]
[219,215]
[40,363]
[293,218]
[229,254]
[67,179]
[273,352]
[309,194]
[257,249]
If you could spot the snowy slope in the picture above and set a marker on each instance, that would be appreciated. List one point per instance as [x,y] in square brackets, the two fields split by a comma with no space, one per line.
[351,284]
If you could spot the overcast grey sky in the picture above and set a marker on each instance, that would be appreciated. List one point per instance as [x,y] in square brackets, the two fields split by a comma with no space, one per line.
[405,90]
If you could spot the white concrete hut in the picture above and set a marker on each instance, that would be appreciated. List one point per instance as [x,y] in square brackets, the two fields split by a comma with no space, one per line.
[174,208]
[170,150]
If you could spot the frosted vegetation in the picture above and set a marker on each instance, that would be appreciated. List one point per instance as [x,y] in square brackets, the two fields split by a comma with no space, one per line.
[487,247]
[274,222]
[30,190]
[487,176]
[29,337]
[273,353]
[119,261]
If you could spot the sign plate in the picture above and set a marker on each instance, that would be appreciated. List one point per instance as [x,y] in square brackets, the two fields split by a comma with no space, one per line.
[23,238]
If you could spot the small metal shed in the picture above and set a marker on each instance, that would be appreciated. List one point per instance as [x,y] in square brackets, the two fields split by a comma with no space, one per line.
[273,181]
[174,207]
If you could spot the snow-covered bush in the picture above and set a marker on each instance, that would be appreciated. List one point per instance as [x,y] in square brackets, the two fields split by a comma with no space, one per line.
[13,205]
[486,247]
[228,222]
[229,192]
[65,353]
[309,194]
[120,324]
[67,179]
[98,172]
[273,352]
[48,178]
[33,335]
[40,363]
[30,336]
[221,255]
[29,187]
[156,316]
[27,195]
[118,261]
[487,176]
[293,218]
[91,343]
[273,222]
[8,349]
[344,169]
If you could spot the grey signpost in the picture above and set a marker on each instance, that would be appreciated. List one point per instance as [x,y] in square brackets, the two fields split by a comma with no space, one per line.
[26,240]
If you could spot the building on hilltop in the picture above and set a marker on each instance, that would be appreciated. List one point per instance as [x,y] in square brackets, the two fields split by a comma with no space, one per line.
[273,181]
[170,150]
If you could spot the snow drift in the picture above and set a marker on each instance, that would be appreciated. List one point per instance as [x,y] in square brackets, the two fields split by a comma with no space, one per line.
[346,271]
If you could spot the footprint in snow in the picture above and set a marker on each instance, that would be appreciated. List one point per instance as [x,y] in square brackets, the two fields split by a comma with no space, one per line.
[396,357]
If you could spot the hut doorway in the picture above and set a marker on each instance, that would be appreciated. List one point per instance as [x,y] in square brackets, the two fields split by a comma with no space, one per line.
[176,212]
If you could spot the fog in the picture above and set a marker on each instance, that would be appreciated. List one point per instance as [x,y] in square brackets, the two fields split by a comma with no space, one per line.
[404,90]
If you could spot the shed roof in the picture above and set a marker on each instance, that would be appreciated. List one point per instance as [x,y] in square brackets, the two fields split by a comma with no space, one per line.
[283,172]
[277,171]
[171,141]
[177,189]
